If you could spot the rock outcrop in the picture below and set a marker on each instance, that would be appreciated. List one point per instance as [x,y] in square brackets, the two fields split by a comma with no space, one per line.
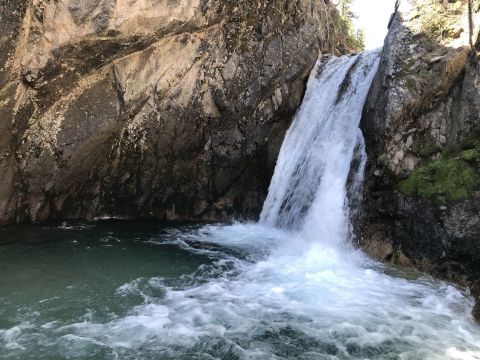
[422,129]
[173,109]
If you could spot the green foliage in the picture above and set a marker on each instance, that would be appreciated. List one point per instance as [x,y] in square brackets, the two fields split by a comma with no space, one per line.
[471,152]
[356,36]
[424,145]
[470,155]
[447,179]
[344,6]
[360,39]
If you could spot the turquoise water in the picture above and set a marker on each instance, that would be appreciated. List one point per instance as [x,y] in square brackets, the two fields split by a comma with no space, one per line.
[52,276]
[122,290]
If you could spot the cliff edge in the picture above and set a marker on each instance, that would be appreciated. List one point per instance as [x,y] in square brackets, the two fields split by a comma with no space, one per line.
[422,128]
[167,109]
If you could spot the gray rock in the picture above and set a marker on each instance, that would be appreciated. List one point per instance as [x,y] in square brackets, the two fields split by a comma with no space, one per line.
[166,109]
[422,127]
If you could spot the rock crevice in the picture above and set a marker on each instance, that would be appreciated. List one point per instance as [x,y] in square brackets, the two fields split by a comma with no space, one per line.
[422,126]
[165,109]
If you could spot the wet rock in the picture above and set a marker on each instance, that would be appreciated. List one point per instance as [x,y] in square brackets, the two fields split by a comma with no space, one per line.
[422,181]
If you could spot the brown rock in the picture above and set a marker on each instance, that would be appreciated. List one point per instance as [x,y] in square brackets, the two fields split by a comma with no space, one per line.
[167,109]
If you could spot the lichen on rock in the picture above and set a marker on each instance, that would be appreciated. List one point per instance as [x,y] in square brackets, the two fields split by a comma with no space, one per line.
[421,123]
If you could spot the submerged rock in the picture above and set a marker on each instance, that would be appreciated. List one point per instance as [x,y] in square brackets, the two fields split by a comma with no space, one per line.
[167,109]
[422,128]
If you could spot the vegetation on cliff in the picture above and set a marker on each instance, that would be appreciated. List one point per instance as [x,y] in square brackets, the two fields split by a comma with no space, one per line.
[439,20]
[355,38]
[451,177]
[445,180]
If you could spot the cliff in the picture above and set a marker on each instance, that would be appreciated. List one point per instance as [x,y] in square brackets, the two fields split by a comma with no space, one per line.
[166,109]
[422,129]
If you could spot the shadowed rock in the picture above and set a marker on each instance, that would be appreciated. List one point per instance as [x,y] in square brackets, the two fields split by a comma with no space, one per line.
[422,124]
[167,109]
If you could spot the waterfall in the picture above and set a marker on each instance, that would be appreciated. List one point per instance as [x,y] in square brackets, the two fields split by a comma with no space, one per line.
[290,287]
[308,192]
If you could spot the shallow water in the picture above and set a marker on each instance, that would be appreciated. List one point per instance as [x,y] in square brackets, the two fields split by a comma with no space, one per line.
[142,291]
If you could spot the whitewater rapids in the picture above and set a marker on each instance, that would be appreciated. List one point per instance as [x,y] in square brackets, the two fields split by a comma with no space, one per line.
[291,287]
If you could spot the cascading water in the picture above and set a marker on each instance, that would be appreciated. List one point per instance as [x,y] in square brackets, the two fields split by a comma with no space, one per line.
[308,189]
[287,288]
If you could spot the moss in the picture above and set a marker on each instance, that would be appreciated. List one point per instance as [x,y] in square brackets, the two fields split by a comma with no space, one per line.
[471,149]
[451,177]
[470,155]
[450,150]
[425,146]
[472,142]
[445,180]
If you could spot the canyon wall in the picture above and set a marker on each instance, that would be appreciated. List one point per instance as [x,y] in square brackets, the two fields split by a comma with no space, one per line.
[173,109]
[422,129]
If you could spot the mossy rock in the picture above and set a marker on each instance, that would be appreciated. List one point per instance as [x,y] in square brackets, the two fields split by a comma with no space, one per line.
[425,146]
[470,155]
[445,180]
[471,149]
[450,178]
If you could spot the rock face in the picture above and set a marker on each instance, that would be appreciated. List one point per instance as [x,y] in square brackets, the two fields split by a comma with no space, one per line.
[422,128]
[173,109]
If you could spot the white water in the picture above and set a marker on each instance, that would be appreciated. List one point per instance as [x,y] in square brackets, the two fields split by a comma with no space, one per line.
[290,287]
[308,189]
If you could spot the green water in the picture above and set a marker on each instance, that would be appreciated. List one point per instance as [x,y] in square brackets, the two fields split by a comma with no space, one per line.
[70,272]
[123,290]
